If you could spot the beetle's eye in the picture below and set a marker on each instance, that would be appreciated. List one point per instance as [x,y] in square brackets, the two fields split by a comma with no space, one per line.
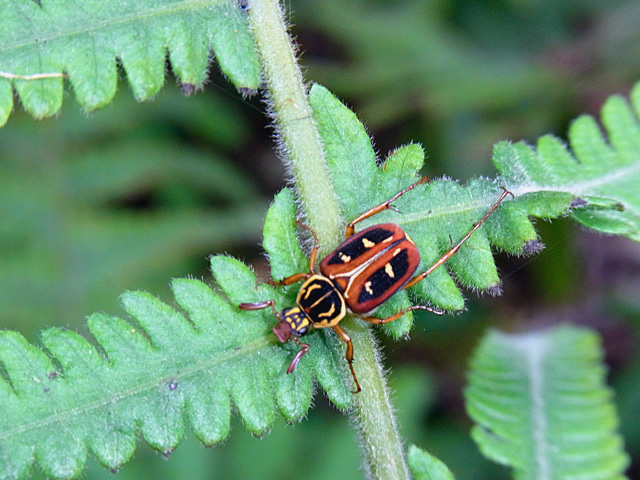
[302,331]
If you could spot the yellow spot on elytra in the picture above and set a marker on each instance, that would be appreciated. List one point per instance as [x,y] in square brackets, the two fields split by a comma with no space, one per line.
[367,287]
[409,238]
[397,251]
[389,270]
[329,313]
[344,258]
[368,243]
[310,288]
[388,239]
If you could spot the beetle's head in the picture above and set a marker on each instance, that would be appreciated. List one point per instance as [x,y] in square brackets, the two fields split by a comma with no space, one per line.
[293,322]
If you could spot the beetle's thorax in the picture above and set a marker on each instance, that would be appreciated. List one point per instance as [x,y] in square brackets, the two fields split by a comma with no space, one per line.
[321,302]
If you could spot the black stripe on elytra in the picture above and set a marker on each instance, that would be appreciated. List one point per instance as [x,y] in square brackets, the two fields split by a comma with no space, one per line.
[380,281]
[354,247]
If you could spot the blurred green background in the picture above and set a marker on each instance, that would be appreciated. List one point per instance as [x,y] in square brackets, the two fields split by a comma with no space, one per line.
[135,194]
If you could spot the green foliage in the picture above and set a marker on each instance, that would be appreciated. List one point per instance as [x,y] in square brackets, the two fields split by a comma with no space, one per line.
[600,178]
[542,406]
[73,398]
[546,183]
[86,43]
[433,215]
[142,375]
[162,372]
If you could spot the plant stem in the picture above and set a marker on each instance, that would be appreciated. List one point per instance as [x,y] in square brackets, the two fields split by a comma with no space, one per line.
[381,444]
[300,141]
[302,148]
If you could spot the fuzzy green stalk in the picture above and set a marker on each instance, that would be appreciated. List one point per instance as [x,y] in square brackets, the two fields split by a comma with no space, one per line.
[381,444]
[302,150]
[298,135]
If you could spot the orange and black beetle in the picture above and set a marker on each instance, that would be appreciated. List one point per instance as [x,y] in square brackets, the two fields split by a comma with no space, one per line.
[358,276]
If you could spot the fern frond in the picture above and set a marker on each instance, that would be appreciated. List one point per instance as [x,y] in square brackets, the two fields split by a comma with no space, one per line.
[442,211]
[542,407]
[596,179]
[86,42]
[434,215]
[153,374]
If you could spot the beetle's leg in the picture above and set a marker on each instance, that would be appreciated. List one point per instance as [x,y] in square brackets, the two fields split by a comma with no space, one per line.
[396,316]
[349,355]
[304,348]
[383,206]
[289,280]
[312,260]
[314,251]
[260,306]
[455,248]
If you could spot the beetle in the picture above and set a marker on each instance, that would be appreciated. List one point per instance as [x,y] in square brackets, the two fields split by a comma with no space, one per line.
[362,273]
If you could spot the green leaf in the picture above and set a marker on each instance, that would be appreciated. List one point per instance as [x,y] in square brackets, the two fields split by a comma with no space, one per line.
[596,180]
[162,369]
[280,239]
[598,190]
[86,43]
[434,215]
[541,405]
[92,399]
[323,359]
[427,467]
[547,182]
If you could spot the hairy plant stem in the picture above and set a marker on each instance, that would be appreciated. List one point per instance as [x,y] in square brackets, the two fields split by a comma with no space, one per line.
[302,150]
[297,132]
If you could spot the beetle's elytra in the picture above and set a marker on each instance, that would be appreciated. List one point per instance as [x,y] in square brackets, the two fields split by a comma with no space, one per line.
[358,276]
[372,265]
